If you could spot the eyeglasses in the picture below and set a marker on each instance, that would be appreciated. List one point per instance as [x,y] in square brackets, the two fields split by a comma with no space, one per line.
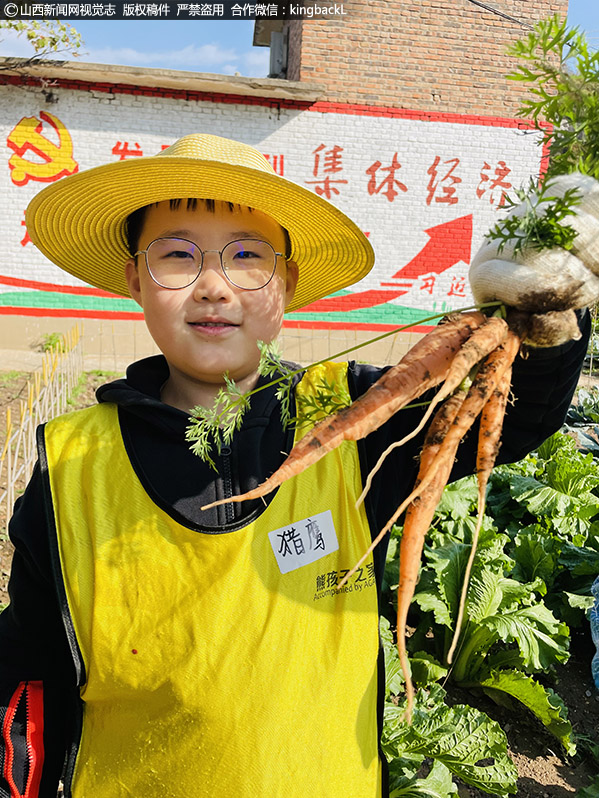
[176,262]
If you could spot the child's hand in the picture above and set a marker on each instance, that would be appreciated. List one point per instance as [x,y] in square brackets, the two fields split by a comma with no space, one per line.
[551,282]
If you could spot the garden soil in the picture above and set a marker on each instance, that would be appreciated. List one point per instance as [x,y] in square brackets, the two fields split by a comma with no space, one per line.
[543,768]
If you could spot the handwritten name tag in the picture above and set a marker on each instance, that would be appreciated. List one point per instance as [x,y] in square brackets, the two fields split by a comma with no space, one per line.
[304,542]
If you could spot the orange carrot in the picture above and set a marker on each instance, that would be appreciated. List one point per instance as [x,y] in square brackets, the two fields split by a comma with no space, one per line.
[483,386]
[482,341]
[431,481]
[423,367]
[433,474]
[435,468]
[417,523]
[489,441]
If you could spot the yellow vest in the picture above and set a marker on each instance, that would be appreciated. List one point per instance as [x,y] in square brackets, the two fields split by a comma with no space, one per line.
[217,665]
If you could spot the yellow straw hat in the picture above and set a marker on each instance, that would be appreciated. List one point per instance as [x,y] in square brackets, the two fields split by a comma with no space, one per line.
[79,222]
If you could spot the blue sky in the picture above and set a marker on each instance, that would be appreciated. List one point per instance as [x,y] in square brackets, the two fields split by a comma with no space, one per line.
[210,46]
[198,46]
[585,14]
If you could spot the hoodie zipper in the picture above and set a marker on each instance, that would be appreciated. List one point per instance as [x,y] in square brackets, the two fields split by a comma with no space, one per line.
[24,753]
[227,482]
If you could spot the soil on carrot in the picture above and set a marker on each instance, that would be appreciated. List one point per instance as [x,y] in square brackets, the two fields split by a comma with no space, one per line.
[544,770]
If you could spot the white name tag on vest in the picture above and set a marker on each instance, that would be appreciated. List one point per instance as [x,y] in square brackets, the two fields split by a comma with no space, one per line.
[304,542]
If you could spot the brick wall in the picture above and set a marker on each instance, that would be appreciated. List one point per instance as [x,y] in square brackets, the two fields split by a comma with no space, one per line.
[437,55]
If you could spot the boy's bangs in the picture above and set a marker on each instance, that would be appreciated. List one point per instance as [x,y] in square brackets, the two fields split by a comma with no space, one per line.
[135,221]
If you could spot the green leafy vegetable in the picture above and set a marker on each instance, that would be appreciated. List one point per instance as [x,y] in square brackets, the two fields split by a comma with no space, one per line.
[548,708]
[509,633]
[460,740]
[592,791]
[466,741]
[587,406]
[437,784]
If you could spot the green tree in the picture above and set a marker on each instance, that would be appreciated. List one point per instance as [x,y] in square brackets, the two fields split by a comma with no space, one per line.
[47,37]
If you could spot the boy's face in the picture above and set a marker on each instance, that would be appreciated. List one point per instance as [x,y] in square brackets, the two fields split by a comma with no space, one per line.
[210,327]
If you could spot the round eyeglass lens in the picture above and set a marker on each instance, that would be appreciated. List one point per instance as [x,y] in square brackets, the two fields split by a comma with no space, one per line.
[249,263]
[174,262]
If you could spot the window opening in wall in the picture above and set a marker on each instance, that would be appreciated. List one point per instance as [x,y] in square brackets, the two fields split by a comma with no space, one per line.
[278,54]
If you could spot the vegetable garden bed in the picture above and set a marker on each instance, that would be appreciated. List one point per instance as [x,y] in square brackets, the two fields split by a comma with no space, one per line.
[537,557]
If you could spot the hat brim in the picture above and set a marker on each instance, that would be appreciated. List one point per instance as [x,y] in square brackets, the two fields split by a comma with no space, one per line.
[79,222]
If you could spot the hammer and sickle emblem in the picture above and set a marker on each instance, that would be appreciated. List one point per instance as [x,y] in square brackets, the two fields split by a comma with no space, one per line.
[52,162]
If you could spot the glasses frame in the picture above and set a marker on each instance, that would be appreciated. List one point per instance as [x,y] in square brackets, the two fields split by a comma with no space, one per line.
[204,252]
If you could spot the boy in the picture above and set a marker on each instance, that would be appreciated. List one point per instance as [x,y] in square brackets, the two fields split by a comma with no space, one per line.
[159,650]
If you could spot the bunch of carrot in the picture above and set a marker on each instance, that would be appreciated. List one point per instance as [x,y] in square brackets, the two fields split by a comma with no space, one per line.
[472,356]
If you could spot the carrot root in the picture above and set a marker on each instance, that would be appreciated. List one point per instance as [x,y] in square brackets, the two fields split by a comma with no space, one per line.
[483,386]
[422,483]
[491,426]
[483,340]
[434,476]
[418,520]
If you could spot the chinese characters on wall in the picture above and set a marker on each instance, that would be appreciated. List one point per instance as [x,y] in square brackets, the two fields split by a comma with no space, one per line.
[454,181]
[443,178]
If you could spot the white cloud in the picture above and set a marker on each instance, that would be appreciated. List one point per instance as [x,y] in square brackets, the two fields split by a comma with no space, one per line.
[205,58]
[257,61]
[253,63]
[211,57]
